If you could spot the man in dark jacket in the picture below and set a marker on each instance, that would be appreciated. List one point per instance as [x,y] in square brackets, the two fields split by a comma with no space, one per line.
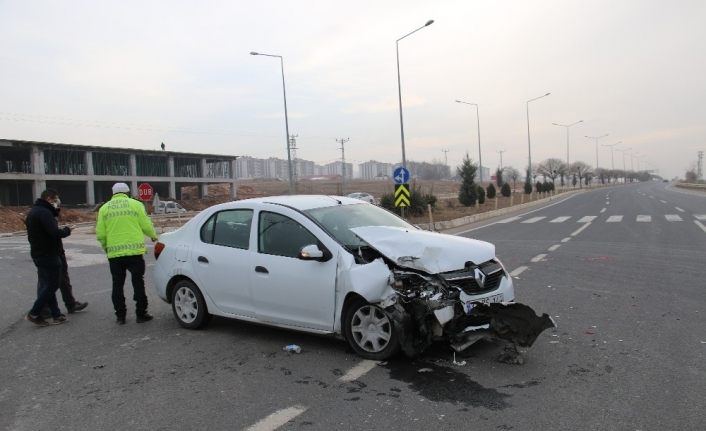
[44,238]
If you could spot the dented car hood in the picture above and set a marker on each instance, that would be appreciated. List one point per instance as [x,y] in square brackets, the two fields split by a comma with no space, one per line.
[430,252]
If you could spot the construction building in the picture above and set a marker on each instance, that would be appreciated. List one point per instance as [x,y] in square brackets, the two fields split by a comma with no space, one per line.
[85,174]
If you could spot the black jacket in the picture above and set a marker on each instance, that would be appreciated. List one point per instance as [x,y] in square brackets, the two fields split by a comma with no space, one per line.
[43,230]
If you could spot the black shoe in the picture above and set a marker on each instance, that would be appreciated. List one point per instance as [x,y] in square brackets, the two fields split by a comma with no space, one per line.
[59,320]
[144,318]
[37,320]
[45,313]
[77,306]
[120,321]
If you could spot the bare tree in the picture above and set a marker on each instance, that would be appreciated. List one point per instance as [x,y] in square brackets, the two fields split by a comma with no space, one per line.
[582,170]
[551,168]
[512,174]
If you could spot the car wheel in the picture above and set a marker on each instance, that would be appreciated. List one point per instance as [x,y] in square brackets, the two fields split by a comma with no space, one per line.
[188,305]
[370,330]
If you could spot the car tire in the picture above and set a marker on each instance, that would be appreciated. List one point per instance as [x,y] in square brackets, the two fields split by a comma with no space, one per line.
[370,330]
[188,305]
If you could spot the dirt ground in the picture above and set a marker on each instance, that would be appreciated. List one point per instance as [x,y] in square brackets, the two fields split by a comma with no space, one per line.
[447,207]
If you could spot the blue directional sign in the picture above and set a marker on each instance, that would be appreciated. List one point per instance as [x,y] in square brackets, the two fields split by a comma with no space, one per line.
[401,175]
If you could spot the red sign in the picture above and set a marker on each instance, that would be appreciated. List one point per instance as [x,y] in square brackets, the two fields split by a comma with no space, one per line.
[145,192]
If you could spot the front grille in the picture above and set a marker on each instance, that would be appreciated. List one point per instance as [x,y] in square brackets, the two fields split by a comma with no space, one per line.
[465,278]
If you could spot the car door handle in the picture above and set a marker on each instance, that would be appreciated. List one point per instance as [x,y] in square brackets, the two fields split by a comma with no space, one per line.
[261,269]
[202,259]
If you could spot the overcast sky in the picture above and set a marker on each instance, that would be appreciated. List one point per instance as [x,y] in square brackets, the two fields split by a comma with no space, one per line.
[138,73]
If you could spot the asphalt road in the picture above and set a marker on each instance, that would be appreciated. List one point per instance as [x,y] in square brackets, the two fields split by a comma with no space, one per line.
[629,352]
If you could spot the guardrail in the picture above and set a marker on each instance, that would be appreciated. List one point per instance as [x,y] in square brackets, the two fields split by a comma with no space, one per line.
[691,186]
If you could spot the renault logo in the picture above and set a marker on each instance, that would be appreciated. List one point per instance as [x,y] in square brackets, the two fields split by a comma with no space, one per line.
[479,276]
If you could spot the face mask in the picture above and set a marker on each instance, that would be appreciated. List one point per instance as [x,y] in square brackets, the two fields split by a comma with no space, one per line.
[56,203]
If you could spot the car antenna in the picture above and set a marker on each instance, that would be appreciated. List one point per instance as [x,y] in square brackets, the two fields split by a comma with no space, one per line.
[337,200]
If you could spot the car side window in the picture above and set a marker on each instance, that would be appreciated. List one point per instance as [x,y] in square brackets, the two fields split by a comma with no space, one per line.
[281,236]
[229,228]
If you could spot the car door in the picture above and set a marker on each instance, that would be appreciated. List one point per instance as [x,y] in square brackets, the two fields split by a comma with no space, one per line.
[224,260]
[285,289]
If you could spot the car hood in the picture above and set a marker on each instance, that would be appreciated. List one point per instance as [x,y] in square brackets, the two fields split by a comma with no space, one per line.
[430,252]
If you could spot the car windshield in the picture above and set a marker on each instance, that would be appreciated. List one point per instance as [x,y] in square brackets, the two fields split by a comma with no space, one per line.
[340,219]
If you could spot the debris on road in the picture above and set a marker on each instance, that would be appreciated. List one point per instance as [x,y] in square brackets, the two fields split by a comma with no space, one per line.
[292,348]
[424,370]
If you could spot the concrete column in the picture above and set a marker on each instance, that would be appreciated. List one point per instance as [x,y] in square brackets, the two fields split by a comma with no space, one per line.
[172,189]
[203,168]
[90,185]
[133,188]
[133,166]
[89,162]
[38,186]
[233,185]
[170,166]
[204,189]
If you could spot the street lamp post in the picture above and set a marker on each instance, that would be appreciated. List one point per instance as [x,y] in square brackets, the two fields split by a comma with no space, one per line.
[286,121]
[567,126]
[612,162]
[529,145]
[596,138]
[501,158]
[480,157]
[399,87]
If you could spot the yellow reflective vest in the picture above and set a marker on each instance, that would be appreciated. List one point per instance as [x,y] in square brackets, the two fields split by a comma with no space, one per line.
[122,225]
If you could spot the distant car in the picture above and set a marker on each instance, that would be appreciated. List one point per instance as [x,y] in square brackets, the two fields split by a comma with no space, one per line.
[367,197]
[169,207]
[665,180]
[332,265]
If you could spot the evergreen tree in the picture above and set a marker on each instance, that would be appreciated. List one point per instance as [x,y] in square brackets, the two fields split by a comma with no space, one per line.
[467,172]
[481,195]
[505,190]
[491,191]
[528,183]
[499,177]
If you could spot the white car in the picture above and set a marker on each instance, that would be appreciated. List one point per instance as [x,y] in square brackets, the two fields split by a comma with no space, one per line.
[367,197]
[169,207]
[330,265]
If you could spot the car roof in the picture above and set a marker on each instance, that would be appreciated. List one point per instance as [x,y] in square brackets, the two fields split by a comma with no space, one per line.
[300,202]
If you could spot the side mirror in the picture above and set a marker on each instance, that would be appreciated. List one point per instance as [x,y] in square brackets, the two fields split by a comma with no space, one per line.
[313,252]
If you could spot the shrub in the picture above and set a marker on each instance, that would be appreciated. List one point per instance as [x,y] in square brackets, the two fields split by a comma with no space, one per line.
[481,195]
[505,190]
[417,202]
[491,191]
[539,187]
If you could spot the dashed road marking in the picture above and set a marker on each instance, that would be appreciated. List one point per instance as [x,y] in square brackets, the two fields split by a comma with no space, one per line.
[359,370]
[603,210]
[672,217]
[567,239]
[533,219]
[664,202]
[679,209]
[554,247]
[644,218]
[579,230]
[699,224]
[700,216]
[538,258]
[517,271]
[508,220]
[277,419]
[586,219]
[560,219]
[614,219]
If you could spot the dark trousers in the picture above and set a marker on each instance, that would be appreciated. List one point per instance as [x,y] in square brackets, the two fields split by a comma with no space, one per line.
[48,282]
[64,287]
[118,268]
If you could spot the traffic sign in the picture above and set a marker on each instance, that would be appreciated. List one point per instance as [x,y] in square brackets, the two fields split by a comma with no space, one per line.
[401,195]
[401,175]
[145,192]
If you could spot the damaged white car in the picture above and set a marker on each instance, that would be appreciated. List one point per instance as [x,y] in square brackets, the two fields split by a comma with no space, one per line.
[336,265]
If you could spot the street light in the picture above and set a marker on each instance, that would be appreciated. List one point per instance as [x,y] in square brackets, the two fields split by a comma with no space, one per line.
[567,126]
[612,162]
[596,138]
[480,158]
[529,145]
[286,120]
[399,87]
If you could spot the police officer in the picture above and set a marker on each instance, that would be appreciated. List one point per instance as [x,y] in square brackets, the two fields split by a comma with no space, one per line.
[121,229]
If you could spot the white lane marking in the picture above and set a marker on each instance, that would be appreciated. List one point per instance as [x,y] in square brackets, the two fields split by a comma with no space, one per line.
[614,219]
[554,247]
[652,197]
[700,216]
[578,231]
[672,217]
[699,224]
[644,218]
[519,270]
[607,202]
[538,258]
[664,202]
[567,239]
[603,210]
[359,370]
[679,209]
[508,220]
[523,214]
[533,219]
[277,419]
[560,219]
[587,219]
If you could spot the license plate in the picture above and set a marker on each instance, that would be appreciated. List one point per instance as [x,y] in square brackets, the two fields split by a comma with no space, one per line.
[486,300]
